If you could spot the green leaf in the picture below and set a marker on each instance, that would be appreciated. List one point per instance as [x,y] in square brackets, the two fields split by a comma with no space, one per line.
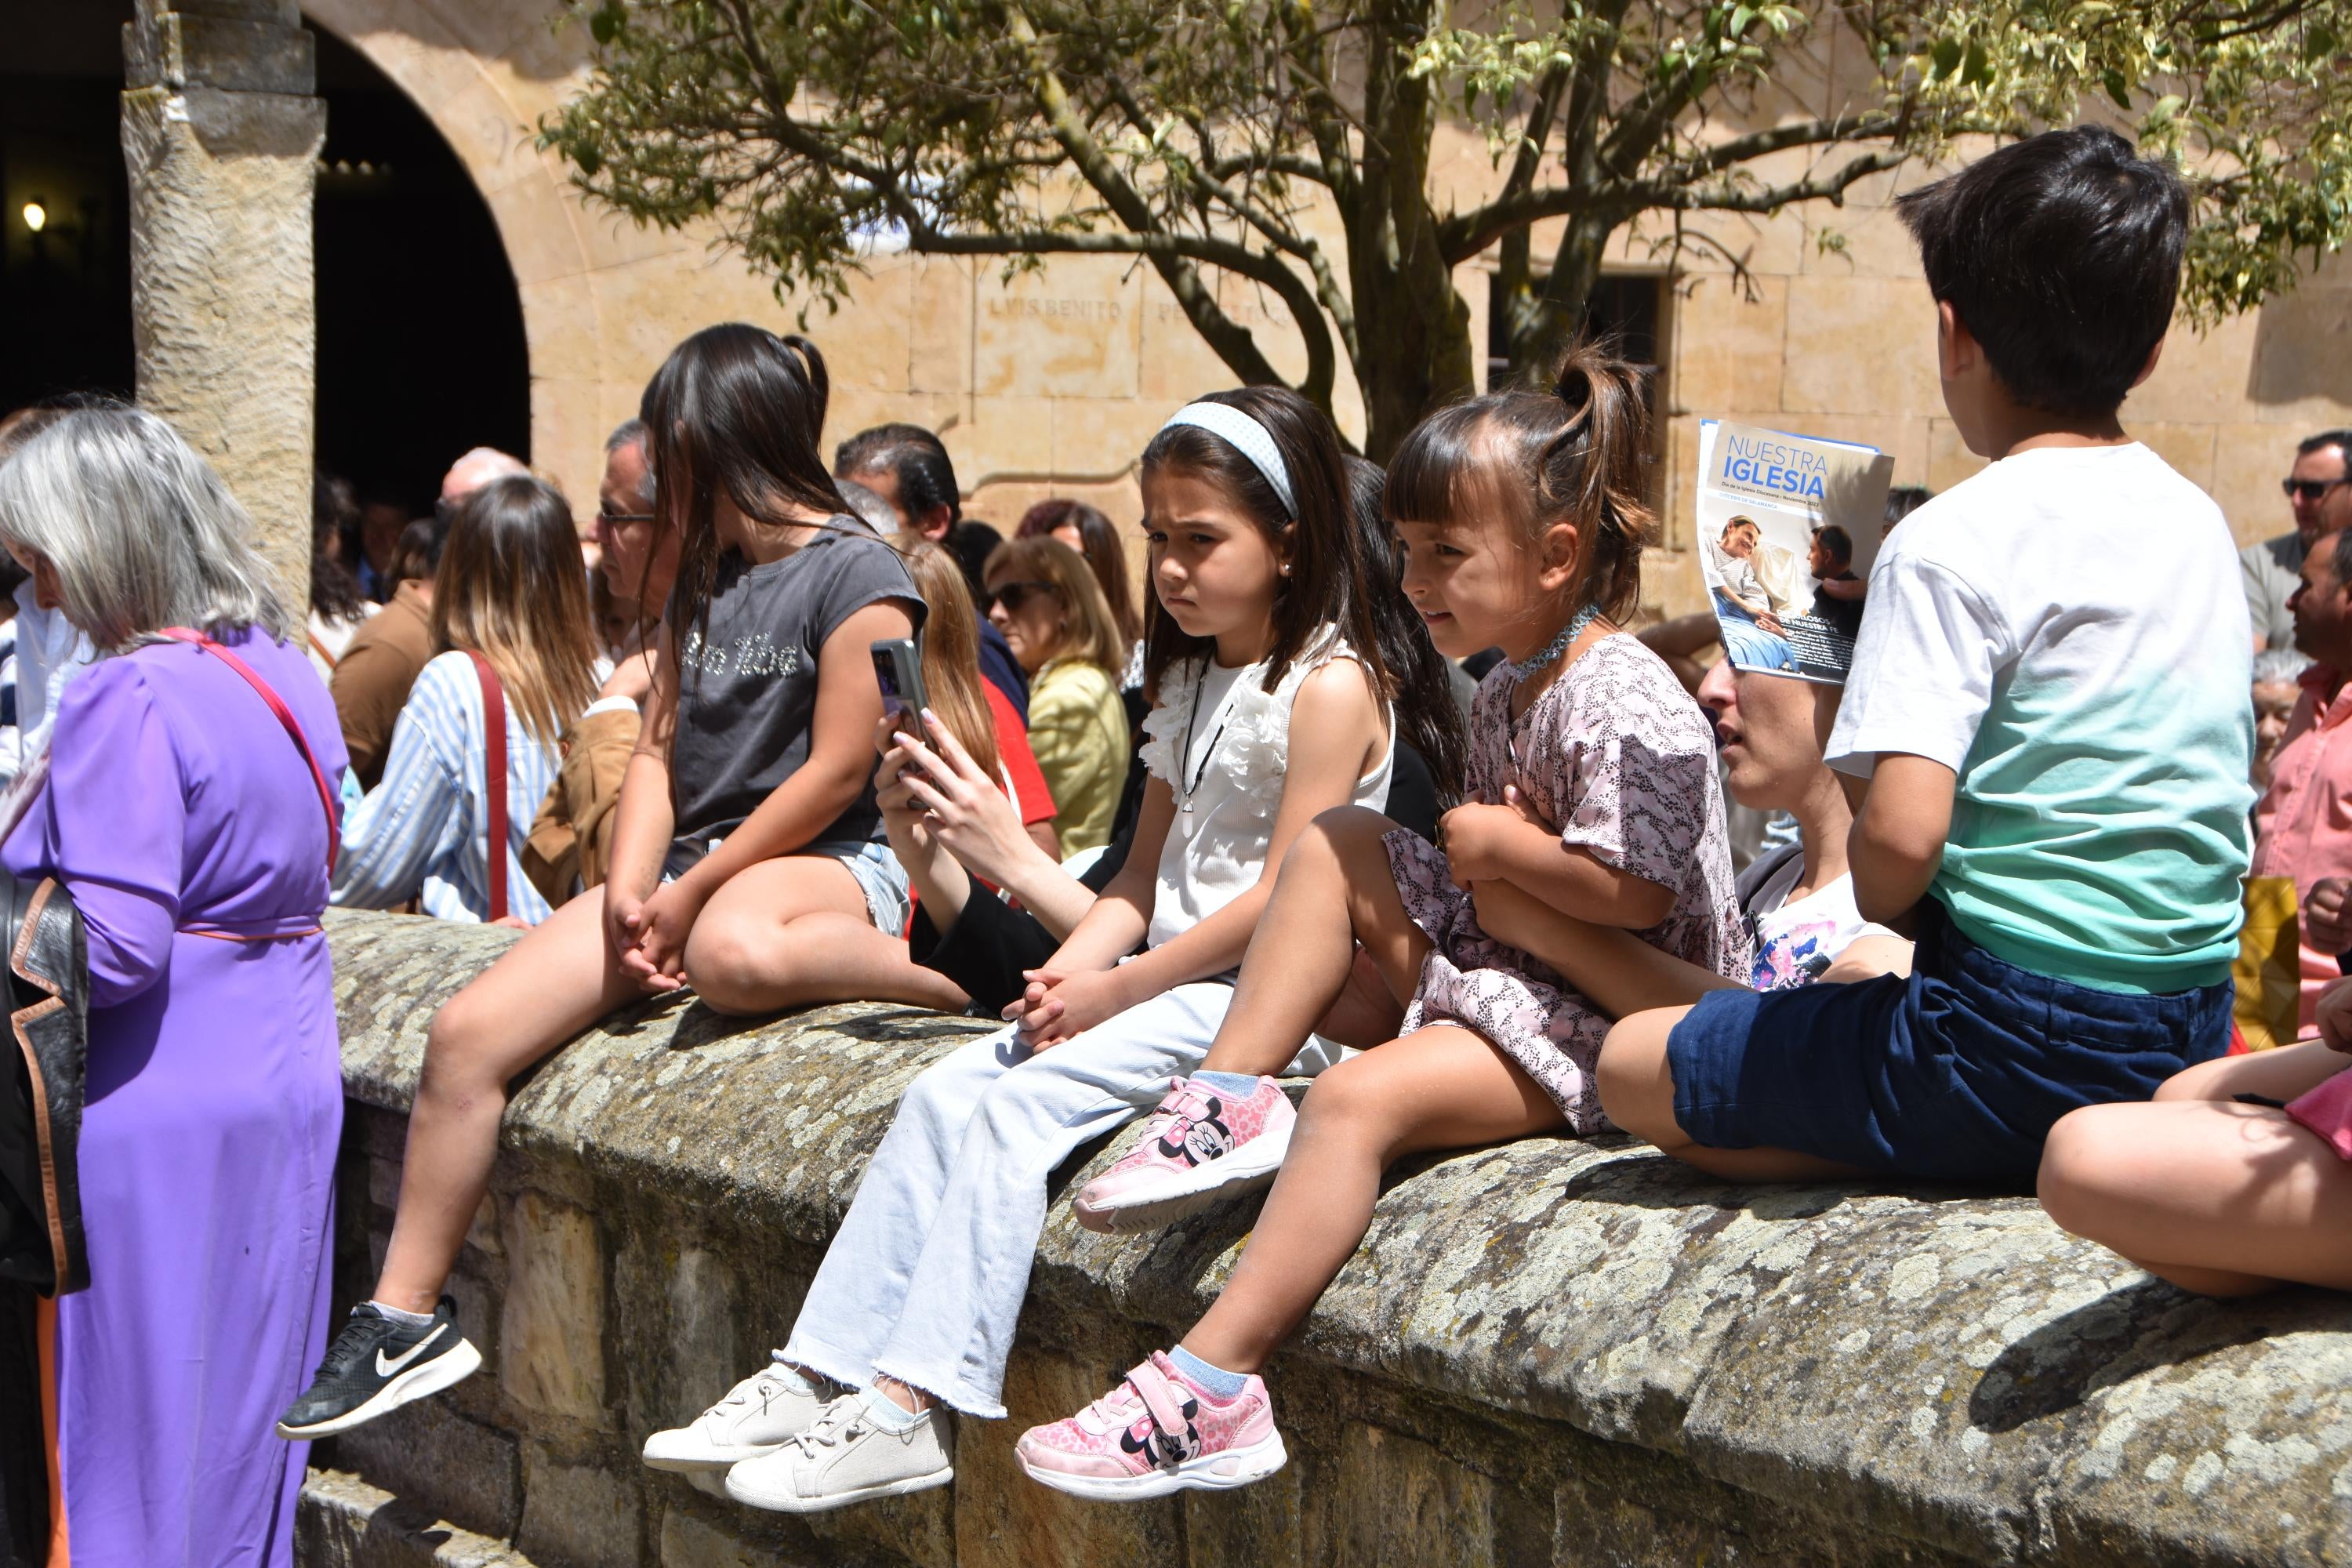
[2118,89]
[1978,69]
[1945,57]
[604,23]
[2319,43]
[1741,16]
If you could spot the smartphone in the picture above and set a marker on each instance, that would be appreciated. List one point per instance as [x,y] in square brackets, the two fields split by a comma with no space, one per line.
[899,670]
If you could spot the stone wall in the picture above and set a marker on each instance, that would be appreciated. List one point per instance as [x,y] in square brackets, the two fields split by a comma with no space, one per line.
[1547,1354]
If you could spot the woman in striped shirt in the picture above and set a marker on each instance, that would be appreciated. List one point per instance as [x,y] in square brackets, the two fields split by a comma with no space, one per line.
[510,590]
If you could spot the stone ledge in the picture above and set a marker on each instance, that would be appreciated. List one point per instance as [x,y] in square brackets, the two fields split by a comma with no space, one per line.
[1551,1352]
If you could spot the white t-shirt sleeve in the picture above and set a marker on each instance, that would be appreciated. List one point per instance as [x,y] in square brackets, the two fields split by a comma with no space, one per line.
[1923,669]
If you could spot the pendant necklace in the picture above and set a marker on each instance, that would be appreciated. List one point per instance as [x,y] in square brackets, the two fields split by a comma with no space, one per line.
[1225,716]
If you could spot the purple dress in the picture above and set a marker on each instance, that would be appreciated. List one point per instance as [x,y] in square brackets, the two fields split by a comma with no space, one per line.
[177,805]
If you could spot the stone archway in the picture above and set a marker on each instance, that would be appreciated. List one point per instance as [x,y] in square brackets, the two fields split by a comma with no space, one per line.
[482,73]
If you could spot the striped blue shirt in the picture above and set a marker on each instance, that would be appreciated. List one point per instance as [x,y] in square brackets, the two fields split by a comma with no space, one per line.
[421,832]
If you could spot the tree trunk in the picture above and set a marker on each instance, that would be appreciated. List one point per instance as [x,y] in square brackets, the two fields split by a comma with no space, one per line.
[1413,329]
[1557,310]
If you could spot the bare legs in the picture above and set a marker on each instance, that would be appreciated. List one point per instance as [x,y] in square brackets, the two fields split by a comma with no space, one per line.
[795,931]
[2218,1197]
[1333,891]
[1637,1090]
[1439,1088]
[783,934]
[555,982]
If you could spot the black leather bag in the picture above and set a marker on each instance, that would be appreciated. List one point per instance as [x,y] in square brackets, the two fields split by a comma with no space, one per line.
[41,1087]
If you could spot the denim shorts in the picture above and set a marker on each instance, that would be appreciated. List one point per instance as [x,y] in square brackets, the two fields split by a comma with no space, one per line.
[888,902]
[1955,1072]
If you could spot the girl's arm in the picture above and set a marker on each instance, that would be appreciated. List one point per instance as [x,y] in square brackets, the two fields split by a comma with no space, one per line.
[643,823]
[1615,970]
[1498,844]
[962,812]
[1333,724]
[826,783]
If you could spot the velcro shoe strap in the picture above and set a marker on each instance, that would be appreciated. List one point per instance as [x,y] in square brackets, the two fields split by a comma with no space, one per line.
[1161,1396]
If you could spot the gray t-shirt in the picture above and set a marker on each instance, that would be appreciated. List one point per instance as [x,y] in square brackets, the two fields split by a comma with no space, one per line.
[747,681]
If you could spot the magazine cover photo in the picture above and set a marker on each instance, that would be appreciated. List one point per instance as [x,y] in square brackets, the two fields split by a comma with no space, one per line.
[1788,527]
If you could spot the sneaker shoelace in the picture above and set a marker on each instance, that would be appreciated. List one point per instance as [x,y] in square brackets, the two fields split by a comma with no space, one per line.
[766,1384]
[840,1422]
[359,1336]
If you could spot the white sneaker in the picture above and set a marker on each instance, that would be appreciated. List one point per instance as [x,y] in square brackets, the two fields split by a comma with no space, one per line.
[845,1457]
[755,1418]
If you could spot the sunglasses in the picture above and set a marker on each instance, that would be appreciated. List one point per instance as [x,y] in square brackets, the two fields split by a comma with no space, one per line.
[2309,490]
[1013,596]
[617,517]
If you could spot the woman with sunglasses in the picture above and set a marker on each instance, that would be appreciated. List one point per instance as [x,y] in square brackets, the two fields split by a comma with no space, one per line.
[1045,599]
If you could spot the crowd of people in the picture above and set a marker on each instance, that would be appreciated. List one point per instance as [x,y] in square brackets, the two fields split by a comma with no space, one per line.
[1255,831]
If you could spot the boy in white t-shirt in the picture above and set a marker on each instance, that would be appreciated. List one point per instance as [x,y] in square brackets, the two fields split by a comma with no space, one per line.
[2048,700]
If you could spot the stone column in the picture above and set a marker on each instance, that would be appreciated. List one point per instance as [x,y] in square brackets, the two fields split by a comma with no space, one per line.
[221,133]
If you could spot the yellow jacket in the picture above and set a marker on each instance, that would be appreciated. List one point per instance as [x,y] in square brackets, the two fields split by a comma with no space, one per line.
[1078,726]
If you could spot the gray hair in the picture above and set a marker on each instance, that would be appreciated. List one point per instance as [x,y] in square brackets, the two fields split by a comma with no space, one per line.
[633,433]
[141,531]
[2280,667]
[868,505]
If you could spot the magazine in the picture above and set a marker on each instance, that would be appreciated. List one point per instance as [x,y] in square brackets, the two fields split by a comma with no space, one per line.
[1789,527]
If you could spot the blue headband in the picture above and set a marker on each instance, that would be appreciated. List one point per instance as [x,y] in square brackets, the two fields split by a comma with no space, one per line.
[1245,435]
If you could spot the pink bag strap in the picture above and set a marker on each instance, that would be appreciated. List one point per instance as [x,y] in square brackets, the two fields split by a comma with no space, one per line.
[327,799]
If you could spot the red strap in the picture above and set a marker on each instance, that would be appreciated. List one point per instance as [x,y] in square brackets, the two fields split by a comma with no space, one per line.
[285,716]
[494,777]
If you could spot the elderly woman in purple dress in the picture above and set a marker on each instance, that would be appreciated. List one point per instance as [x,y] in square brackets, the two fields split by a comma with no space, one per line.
[190,816]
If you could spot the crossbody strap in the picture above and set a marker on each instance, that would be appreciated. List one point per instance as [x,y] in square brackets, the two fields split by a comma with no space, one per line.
[494,777]
[326,799]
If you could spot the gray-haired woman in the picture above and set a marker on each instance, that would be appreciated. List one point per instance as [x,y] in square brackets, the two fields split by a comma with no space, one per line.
[189,809]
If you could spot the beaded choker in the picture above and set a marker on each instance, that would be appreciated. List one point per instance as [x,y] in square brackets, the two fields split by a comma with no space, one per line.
[1568,634]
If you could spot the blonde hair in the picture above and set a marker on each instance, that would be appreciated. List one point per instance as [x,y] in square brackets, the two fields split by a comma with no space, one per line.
[952,677]
[1091,632]
[511,589]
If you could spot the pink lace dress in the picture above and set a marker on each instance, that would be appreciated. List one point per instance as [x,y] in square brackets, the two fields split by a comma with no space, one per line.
[1617,753]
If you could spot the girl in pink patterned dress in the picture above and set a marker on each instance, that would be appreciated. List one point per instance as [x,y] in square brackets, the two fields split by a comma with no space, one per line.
[1593,790]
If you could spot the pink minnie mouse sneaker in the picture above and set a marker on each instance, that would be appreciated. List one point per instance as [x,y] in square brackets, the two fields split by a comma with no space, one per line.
[1156,1433]
[1201,1146]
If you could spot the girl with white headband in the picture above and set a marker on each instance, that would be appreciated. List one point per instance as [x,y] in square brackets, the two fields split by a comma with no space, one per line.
[1266,714]
[1592,793]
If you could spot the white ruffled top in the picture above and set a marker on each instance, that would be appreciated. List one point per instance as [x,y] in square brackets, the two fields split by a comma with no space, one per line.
[1216,851]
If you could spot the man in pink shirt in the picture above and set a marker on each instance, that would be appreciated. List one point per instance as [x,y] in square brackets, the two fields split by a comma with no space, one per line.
[2303,823]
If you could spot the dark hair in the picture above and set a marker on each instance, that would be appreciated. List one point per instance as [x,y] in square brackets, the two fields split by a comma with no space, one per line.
[738,409]
[1902,500]
[418,555]
[2342,557]
[2061,254]
[2339,439]
[912,455]
[1578,455]
[1099,543]
[1837,542]
[1327,574]
[1428,719]
[334,517]
[511,589]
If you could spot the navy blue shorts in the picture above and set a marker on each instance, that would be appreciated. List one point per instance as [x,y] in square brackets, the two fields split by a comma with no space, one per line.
[1956,1072]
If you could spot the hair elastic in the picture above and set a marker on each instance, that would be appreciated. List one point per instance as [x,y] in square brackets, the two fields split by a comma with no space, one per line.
[1246,436]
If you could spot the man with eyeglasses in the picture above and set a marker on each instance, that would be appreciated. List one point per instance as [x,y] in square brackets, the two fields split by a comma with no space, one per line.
[2323,466]
[371,681]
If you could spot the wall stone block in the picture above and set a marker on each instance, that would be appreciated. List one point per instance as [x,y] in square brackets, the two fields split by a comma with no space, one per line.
[553,1325]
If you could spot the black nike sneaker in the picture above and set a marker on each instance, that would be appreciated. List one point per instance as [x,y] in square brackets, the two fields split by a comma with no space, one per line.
[377,1365]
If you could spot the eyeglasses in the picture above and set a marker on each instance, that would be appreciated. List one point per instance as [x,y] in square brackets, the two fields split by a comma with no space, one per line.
[617,518]
[2310,489]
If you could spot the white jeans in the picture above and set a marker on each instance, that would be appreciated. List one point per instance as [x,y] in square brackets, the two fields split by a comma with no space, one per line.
[925,1279]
